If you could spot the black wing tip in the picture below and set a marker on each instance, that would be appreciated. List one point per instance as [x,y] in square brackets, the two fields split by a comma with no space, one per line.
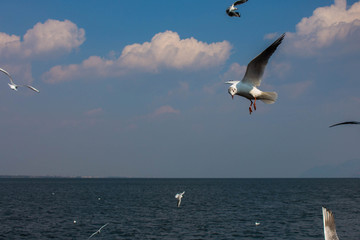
[345,123]
[281,38]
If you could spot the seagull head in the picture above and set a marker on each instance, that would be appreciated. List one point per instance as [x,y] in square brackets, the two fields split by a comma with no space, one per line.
[232,91]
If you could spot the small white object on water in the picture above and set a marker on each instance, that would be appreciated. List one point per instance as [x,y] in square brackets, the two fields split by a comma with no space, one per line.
[257,223]
[74,221]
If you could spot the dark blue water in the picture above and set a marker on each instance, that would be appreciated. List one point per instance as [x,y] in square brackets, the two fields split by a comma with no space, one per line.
[146,208]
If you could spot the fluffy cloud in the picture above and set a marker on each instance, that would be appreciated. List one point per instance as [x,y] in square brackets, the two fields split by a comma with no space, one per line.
[166,50]
[164,110]
[326,26]
[53,36]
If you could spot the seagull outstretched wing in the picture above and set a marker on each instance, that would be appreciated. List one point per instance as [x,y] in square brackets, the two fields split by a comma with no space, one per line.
[255,69]
[329,225]
[4,71]
[98,231]
[345,123]
[239,2]
[32,88]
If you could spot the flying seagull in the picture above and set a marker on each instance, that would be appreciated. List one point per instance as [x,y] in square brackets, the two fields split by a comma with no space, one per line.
[253,76]
[179,196]
[329,225]
[345,123]
[231,10]
[98,231]
[13,86]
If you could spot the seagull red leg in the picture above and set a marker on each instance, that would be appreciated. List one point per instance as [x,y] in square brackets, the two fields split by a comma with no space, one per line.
[251,103]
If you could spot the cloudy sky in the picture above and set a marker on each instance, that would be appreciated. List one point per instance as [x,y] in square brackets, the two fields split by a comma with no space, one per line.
[136,88]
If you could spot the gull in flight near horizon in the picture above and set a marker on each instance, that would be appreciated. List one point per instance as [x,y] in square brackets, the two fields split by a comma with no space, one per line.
[230,11]
[179,196]
[98,231]
[247,87]
[329,225]
[345,123]
[14,86]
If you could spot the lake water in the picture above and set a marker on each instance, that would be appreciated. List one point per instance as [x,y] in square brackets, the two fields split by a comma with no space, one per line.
[146,208]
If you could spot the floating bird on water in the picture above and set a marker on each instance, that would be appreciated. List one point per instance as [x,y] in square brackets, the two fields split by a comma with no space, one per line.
[253,76]
[14,86]
[257,223]
[231,10]
[179,196]
[329,225]
[345,123]
[98,231]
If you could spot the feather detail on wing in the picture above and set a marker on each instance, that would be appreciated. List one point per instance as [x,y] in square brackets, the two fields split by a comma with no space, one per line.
[329,225]
[255,69]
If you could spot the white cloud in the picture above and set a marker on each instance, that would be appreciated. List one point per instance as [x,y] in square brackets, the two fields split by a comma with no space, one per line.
[296,90]
[94,112]
[53,36]
[328,25]
[235,72]
[164,110]
[166,50]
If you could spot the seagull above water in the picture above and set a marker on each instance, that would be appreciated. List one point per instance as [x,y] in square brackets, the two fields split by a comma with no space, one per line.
[253,76]
[98,231]
[345,123]
[14,86]
[179,196]
[231,10]
[329,225]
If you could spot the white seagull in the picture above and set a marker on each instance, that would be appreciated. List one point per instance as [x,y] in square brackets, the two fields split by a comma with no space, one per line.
[13,86]
[231,10]
[329,225]
[98,231]
[179,196]
[253,76]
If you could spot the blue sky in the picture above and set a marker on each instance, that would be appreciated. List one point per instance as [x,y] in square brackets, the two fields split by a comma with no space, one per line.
[136,89]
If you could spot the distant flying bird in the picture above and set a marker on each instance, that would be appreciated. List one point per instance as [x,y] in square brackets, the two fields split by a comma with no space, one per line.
[231,10]
[253,76]
[345,123]
[98,231]
[13,86]
[179,196]
[329,225]
[257,223]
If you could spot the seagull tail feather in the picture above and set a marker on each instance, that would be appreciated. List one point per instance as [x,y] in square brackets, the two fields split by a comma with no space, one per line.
[268,97]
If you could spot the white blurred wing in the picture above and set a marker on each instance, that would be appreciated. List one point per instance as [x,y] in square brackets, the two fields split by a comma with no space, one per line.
[232,82]
[255,69]
[32,88]
[103,226]
[93,234]
[329,225]
[179,201]
[4,71]
[239,2]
